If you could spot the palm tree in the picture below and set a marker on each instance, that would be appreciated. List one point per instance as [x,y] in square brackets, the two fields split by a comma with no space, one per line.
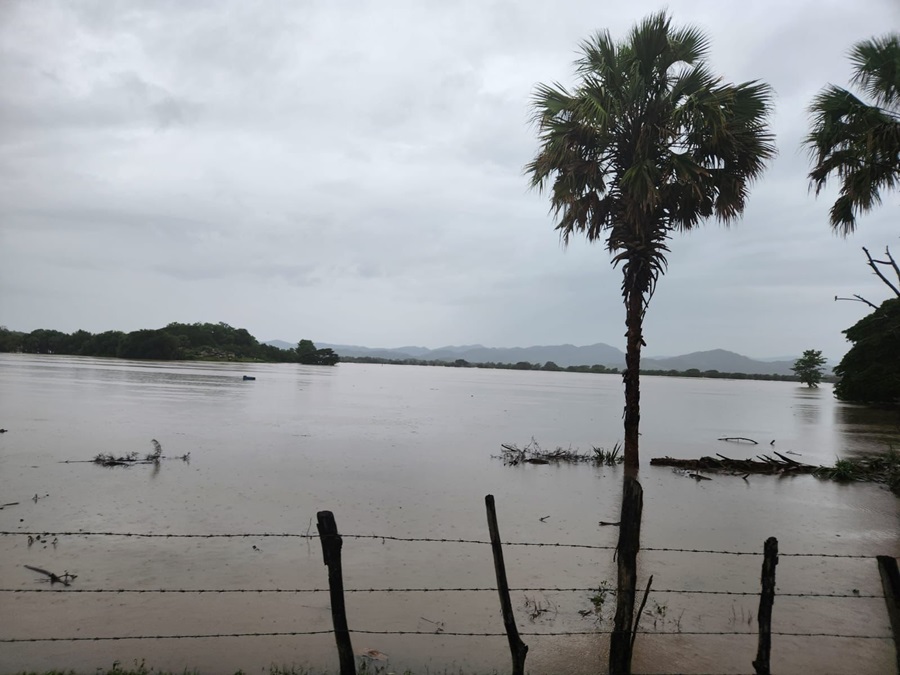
[859,142]
[649,142]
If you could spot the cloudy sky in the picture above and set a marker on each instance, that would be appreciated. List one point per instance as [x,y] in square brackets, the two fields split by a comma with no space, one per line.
[352,172]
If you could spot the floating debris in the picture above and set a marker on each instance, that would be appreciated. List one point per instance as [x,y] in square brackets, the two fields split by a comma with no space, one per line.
[533,453]
[65,578]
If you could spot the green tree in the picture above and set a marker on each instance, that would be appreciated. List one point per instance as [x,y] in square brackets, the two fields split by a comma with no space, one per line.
[870,371]
[307,354]
[157,345]
[859,141]
[649,142]
[809,367]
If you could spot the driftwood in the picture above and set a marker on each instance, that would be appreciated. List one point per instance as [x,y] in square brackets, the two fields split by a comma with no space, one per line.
[766,465]
[65,579]
[740,438]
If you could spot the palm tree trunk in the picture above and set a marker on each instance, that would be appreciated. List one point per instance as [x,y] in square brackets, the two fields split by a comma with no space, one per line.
[634,308]
[622,639]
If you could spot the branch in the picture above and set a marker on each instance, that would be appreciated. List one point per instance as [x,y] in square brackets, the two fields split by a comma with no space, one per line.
[887,252]
[637,617]
[857,298]
[874,265]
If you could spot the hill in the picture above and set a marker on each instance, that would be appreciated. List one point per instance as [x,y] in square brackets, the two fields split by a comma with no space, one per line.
[570,355]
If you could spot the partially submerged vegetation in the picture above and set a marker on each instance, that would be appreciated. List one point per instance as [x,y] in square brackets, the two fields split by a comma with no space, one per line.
[597,369]
[884,469]
[109,459]
[533,453]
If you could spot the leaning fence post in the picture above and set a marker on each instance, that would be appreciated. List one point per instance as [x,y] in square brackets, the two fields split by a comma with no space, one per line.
[331,552]
[890,580]
[517,648]
[766,600]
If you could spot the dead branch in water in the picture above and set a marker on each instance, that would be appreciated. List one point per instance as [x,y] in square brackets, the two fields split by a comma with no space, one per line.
[737,439]
[737,466]
[65,578]
[108,459]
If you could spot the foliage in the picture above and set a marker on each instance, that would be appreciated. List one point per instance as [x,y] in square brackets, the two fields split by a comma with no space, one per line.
[648,143]
[308,354]
[533,453]
[195,341]
[855,141]
[870,371]
[874,468]
[809,367]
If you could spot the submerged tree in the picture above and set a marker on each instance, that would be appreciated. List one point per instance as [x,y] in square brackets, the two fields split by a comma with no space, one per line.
[855,141]
[648,142]
[809,367]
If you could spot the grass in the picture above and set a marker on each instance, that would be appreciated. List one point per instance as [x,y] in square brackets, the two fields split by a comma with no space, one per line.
[883,469]
[533,453]
[364,668]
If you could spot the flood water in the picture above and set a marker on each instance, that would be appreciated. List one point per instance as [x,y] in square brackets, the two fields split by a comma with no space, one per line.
[406,452]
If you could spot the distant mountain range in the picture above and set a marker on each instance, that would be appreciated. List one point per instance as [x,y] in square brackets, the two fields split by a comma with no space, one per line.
[568,355]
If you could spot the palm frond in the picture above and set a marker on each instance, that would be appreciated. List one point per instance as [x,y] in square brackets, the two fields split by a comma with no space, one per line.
[857,143]
[876,66]
[648,142]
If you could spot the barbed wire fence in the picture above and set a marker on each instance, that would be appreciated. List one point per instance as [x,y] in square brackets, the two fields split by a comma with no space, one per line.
[331,543]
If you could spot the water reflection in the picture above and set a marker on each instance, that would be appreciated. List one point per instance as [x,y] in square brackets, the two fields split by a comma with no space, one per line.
[810,406]
[863,428]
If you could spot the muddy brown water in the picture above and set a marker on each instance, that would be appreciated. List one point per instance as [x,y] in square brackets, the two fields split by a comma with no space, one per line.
[407,452]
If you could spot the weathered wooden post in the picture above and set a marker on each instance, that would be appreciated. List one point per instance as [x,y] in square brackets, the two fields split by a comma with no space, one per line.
[766,600]
[517,648]
[890,580]
[621,643]
[331,552]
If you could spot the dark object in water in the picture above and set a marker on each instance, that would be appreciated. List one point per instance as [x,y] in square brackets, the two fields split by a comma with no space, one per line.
[766,465]
[248,377]
[3,431]
[65,579]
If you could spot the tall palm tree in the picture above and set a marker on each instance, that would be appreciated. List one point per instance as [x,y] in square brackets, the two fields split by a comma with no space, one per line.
[648,142]
[859,142]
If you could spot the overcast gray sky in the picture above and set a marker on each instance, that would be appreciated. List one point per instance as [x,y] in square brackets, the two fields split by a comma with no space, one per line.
[352,172]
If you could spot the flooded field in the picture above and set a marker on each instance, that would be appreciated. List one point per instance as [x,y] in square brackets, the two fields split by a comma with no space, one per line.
[407,452]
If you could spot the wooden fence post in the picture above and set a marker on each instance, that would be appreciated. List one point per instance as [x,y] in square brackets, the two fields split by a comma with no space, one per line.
[517,648]
[331,552]
[890,580]
[621,643]
[766,600]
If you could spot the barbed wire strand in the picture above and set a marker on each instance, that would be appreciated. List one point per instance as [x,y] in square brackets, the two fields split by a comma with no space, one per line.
[439,633]
[441,540]
[474,589]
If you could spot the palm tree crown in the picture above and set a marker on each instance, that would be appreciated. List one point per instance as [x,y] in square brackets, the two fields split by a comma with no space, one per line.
[648,142]
[859,142]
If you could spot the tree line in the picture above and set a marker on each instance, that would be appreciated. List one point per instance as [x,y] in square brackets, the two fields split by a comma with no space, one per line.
[174,342]
[551,366]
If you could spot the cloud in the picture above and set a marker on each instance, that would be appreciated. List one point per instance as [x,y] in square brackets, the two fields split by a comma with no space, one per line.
[361,164]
